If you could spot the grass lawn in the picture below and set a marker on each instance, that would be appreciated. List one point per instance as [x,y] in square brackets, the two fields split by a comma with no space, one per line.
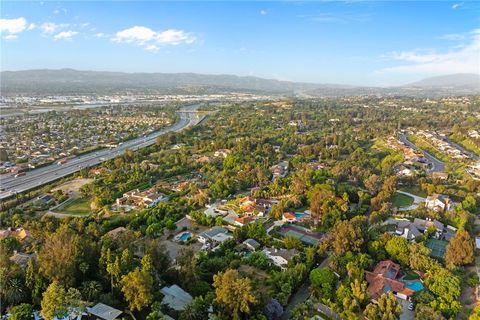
[416,190]
[78,207]
[400,200]
[410,275]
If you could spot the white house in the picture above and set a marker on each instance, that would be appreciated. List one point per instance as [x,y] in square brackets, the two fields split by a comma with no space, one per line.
[439,203]
[280,257]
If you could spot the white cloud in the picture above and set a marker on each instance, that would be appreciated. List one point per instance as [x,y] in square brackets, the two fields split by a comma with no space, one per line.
[100,35]
[263,12]
[459,59]
[149,39]
[152,48]
[453,37]
[49,27]
[174,37]
[135,34]
[13,26]
[10,37]
[457,5]
[65,35]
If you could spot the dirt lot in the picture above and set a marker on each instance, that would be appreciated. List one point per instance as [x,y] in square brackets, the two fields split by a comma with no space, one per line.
[73,186]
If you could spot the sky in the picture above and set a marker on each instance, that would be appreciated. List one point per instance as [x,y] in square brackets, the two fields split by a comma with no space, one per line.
[347,42]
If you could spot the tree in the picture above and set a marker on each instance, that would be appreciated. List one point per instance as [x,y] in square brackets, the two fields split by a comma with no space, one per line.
[447,288]
[273,310]
[23,311]
[424,312]
[233,293]
[346,237]
[460,249]
[197,309]
[59,256]
[323,281]
[53,300]
[397,248]
[137,287]
[91,290]
[386,308]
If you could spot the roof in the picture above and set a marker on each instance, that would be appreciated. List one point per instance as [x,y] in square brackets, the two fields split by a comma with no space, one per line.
[289,215]
[253,243]
[387,268]
[213,232]
[175,297]
[103,311]
[244,220]
[378,284]
[115,232]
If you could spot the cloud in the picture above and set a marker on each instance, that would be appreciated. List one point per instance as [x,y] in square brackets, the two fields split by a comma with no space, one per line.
[49,27]
[457,5]
[152,48]
[65,35]
[100,35]
[13,26]
[263,12]
[453,37]
[459,59]
[149,39]
[10,37]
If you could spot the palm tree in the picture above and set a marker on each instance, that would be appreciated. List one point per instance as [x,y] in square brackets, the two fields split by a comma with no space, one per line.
[91,290]
[15,292]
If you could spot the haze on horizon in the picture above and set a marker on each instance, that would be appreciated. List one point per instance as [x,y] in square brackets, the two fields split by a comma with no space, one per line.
[355,43]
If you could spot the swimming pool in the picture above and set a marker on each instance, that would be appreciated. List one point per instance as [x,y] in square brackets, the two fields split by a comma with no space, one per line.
[414,285]
[299,215]
[184,236]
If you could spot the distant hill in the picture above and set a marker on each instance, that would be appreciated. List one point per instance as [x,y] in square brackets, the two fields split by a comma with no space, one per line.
[460,80]
[74,82]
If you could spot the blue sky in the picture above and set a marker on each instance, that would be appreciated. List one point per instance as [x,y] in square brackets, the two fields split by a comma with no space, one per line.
[348,42]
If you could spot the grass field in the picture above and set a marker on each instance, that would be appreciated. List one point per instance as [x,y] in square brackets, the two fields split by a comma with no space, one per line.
[78,207]
[416,190]
[401,200]
[410,275]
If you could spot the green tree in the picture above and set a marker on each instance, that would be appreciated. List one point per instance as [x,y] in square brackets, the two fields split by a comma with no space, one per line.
[323,281]
[460,249]
[53,301]
[234,294]
[386,308]
[137,288]
[196,310]
[23,311]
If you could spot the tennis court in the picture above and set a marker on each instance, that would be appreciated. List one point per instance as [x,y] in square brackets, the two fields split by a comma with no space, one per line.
[437,246]
[306,236]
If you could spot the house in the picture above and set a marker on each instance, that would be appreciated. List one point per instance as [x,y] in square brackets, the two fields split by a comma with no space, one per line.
[412,230]
[209,235]
[19,233]
[242,221]
[22,259]
[439,203]
[104,312]
[423,226]
[440,175]
[175,297]
[116,232]
[251,244]
[140,199]
[289,217]
[280,257]
[44,200]
[384,278]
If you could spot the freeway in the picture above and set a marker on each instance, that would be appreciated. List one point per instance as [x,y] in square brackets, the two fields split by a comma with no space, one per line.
[11,185]
[437,165]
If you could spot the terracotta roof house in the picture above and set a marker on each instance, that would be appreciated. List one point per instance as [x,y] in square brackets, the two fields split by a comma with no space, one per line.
[289,217]
[384,279]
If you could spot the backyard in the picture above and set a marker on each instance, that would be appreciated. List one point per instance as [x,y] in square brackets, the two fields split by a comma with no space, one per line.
[401,200]
[77,207]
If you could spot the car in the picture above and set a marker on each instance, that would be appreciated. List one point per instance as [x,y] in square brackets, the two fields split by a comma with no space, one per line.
[411,306]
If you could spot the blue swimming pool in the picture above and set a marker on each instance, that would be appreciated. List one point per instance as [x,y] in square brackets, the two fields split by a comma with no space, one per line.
[299,215]
[185,236]
[414,285]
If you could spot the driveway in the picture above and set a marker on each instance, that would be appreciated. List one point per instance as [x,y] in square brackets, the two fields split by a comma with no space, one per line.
[406,314]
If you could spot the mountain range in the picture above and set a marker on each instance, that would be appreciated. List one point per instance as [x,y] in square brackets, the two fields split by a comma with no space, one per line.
[74,82]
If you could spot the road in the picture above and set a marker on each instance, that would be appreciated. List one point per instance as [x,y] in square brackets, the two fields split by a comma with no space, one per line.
[459,147]
[38,177]
[437,165]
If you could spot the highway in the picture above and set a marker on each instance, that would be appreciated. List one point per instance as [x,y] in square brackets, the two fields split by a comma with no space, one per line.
[10,185]
[437,165]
